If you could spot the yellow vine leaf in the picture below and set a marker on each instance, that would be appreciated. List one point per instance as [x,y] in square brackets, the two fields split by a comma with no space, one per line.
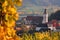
[4,4]
[8,18]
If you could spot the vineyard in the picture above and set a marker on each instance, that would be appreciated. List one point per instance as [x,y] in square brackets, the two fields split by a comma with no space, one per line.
[41,36]
[8,17]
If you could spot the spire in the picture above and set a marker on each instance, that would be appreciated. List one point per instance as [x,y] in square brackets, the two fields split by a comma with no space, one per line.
[45,11]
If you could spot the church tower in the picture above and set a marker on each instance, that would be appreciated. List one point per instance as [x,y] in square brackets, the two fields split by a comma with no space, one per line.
[45,17]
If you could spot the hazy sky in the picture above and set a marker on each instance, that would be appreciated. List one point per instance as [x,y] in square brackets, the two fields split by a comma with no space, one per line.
[41,2]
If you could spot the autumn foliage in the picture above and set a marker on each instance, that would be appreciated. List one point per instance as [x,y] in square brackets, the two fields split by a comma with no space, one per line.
[8,16]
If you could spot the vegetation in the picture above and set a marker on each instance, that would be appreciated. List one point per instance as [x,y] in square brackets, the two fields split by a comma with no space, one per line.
[8,16]
[55,15]
[41,36]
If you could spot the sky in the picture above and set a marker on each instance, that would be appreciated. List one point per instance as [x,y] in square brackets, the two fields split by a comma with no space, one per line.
[41,2]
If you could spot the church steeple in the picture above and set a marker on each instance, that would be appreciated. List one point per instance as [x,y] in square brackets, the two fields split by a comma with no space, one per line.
[45,16]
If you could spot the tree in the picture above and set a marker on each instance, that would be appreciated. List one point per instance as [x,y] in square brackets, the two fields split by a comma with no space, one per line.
[8,16]
[55,15]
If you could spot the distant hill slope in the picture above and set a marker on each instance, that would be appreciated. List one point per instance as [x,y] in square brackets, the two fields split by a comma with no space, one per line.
[39,5]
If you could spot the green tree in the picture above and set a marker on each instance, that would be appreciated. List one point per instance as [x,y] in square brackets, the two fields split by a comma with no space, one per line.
[55,15]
